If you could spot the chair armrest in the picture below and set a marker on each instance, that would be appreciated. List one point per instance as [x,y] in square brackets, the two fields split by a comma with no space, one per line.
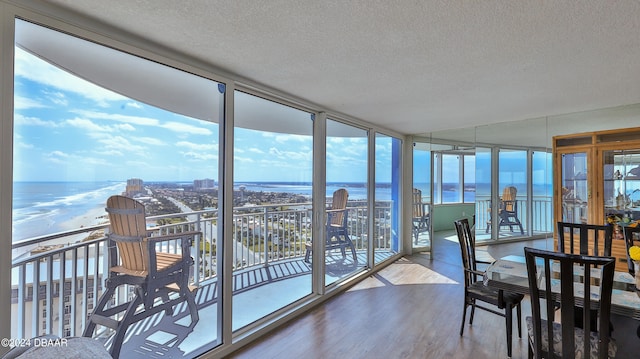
[185,237]
[336,210]
[476,272]
[185,244]
[174,236]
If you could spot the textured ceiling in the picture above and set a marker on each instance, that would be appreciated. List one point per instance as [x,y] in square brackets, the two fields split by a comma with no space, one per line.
[410,66]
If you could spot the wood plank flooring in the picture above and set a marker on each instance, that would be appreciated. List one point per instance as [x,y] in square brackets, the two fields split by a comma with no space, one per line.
[411,309]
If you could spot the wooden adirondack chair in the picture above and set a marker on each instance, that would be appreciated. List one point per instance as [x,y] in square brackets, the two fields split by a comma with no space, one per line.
[337,234]
[135,259]
[421,215]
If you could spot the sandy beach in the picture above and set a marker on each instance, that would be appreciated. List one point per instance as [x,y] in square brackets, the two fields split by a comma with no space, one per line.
[93,217]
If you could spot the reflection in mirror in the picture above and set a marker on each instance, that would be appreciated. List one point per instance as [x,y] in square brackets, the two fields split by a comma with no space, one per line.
[421,197]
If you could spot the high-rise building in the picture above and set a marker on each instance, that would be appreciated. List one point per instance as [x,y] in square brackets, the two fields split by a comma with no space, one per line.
[134,187]
[201,184]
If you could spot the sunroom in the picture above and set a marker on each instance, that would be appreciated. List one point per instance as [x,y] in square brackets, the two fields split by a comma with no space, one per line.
[87,114]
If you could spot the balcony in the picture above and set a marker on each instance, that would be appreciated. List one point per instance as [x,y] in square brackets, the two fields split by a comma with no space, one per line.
[269,245]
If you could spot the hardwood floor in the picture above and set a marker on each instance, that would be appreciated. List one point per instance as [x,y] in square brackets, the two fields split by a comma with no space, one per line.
[411,309]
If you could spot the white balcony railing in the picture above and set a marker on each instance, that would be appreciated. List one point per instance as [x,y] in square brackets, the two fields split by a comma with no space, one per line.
[54,291]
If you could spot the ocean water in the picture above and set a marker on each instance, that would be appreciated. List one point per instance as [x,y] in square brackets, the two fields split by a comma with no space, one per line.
[357,191]
[41,208]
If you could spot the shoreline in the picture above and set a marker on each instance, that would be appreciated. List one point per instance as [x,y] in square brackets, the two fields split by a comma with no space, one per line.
[92,217]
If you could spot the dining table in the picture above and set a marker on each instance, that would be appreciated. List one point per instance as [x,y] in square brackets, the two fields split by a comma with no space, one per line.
[510,274]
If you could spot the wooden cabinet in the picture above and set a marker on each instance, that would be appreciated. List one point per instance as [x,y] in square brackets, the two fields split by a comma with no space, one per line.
[597,174]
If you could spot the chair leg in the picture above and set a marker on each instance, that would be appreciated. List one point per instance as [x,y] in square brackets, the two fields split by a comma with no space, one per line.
[193,308]
[519,314]
[98,310]
[307,252]
[473,311]
[126,320]
[508,313]
[464,315]
[353,252]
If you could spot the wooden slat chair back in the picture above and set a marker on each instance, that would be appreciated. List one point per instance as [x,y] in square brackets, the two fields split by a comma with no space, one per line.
[509,209]
[585,239]
[509,195]
[128,228]
[418,206]
[476,293]
[550,339]
[135,260]
[338,208]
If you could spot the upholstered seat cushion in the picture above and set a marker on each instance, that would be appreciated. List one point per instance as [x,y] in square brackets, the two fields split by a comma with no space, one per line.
[579,341]
[479,290]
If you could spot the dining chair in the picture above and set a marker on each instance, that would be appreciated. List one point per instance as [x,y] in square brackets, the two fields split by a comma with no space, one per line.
[629,233]
[585,239]
[551,339]
[475,291]
[629,240]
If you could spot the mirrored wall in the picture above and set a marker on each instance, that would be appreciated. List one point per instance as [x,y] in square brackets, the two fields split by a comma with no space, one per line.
[509,196]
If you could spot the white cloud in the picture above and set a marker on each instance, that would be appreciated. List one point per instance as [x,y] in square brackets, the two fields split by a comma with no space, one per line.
[184,128]
[200,156]
[57,97]
[150,141]
[23,103]
[208,147]
[33,121]
[125,127]
[110,153]
[120,143]
[40,71]
[134,105]
[243,159]
[136,120]
[87,125]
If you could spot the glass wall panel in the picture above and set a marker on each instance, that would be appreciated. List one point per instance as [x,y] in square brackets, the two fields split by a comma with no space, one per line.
[542,205]
[451,178]
[387,200]
[91,122]
[348,236]
[513,188]
[437,177]
[469,178]
[483,160]
[273,147]
[421,212]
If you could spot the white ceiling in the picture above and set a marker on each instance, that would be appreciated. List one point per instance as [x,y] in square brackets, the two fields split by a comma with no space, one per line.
[410,66]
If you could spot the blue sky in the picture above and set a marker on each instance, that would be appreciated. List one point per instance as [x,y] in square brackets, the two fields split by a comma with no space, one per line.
[68,129]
